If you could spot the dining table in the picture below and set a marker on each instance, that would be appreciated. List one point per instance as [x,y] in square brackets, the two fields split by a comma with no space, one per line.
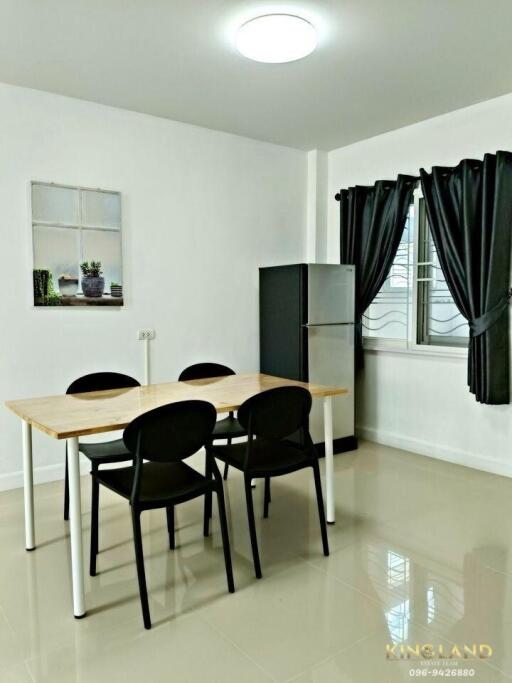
[71,416]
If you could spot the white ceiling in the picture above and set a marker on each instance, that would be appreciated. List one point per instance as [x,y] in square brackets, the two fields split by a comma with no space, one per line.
[380,64]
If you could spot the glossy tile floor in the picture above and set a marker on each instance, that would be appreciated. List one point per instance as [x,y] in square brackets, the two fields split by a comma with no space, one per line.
[419,554]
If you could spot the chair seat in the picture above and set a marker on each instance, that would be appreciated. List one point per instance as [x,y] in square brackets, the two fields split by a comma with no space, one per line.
[228,428]
[159,481]
[267,458]
[106,451]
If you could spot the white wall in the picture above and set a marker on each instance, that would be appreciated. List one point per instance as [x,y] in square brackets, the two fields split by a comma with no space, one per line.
[422,403]
[202,211]
[316,227]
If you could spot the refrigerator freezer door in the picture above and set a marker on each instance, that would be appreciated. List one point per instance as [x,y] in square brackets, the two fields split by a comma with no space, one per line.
[331,361]
[330,294]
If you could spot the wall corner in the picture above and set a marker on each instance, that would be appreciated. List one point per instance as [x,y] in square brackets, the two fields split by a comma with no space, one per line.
[316,223]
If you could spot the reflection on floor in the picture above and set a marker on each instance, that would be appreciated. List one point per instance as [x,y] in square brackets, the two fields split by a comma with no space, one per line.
[419,555]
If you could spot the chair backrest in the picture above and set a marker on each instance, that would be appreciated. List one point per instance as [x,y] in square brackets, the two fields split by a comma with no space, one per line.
[101,381]
[172,432]
[204,371]
[276,413]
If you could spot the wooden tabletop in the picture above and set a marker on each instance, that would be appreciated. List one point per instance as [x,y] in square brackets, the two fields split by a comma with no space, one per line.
[94,412]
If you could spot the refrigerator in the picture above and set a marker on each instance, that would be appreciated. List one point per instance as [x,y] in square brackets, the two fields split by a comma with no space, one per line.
[307,334]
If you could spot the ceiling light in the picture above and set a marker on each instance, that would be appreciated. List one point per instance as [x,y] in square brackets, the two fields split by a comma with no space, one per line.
[276,38]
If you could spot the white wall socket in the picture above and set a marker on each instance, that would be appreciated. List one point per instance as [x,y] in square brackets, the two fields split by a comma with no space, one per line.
[145,334]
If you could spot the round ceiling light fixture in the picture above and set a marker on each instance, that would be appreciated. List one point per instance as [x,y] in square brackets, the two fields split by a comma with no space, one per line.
[276,38]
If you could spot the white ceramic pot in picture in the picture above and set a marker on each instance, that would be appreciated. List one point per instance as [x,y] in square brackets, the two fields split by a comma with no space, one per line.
[116,291]
[68,286]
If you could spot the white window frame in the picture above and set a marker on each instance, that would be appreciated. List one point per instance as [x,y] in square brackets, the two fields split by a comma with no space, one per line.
[410,344]
[80,226]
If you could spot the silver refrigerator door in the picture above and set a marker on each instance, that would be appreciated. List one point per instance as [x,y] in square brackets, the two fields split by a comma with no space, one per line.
[331,361]
[331,294]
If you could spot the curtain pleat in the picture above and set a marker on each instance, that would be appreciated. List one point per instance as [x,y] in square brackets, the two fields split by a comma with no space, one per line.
[372,220]
[469,208]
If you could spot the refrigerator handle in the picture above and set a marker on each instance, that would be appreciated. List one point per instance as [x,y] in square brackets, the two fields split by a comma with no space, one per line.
[324,324]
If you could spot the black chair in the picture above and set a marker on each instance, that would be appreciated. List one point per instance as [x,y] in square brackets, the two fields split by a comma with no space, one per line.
[269,418]
[164,437]
[106,451]
[229,427]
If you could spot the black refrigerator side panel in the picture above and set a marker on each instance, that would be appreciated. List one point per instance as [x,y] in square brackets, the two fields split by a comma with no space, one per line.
[282,349]
[304,316]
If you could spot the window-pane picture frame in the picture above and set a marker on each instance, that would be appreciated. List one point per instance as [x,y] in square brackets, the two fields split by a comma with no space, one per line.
[77,245]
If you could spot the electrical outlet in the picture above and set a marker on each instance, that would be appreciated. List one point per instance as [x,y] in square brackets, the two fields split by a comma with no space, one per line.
[145,334]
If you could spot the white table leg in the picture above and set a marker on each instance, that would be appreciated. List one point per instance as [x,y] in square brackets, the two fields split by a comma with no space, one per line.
[75,524]
[329,460]
[28,485]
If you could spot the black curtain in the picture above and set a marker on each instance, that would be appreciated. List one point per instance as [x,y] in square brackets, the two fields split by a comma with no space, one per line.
[372,221]
[469,209]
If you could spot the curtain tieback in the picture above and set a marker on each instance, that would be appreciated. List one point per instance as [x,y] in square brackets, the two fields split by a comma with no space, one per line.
[483,323]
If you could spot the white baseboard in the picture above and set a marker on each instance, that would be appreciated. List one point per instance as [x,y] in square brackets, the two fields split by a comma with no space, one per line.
[435,450]
[42,475]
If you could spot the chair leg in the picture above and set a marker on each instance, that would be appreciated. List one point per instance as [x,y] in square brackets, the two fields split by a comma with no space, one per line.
[170,526]
[224,529]
[208,497]
[321,511]
[252,526]
[226,466]
[141,574]
[95,500]
[266,497]
[66,488]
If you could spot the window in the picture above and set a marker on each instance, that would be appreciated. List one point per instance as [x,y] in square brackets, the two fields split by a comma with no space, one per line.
[398,618]
[438,319]
[387,317]
[398,569]
[431,604]
[71,225]
[414,308]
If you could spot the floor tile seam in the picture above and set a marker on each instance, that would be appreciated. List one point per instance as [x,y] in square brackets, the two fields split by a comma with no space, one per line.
[237,647]
[332,656]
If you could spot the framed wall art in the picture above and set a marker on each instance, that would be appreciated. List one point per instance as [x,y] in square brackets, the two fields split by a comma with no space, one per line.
[76,237]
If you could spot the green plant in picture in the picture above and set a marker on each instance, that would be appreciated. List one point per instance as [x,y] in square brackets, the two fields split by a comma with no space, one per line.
[41,278]
[53,298]
[116,289]
[44,292]
[93,283]
[92,269]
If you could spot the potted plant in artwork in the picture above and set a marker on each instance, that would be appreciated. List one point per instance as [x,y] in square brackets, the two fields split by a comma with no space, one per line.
[116,290]
[93,283]
[68,285]
[44,293]
[41,278]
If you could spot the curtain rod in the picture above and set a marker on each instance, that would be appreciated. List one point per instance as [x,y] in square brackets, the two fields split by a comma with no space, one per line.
[337,196]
